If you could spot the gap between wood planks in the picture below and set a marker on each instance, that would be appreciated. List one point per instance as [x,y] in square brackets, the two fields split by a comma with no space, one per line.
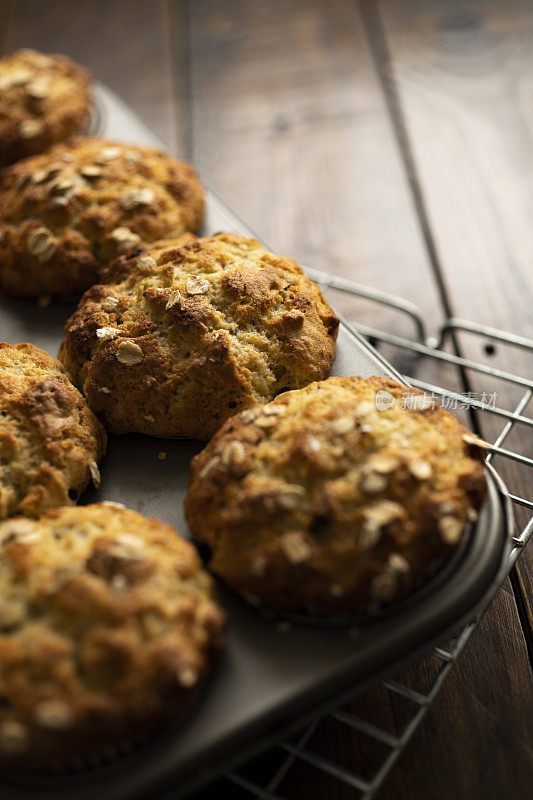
[371,16]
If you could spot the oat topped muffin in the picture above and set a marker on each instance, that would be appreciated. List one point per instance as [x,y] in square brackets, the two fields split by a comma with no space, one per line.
[66,213]
[181,336]
[108,625]
[43,100]
[337,498]
[50,442]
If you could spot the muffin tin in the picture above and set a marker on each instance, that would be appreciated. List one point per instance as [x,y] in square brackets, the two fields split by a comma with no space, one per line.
[273,675]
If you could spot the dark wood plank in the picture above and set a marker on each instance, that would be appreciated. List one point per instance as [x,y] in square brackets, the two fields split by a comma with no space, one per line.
[178,51]
[464,74]
[123,42]
[289,124]
[5,17]
[454,91]
[463,71]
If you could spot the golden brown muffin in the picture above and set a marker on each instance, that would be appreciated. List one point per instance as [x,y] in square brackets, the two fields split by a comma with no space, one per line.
[322,502]
[107,627]
[50,441]
[43,100]
[181,337]
[66,213]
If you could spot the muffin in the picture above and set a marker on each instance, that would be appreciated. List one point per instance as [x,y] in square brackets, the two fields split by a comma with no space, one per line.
[43,100]
[50,441]
[182,336]
[66,213]
[339,498]
[107,627]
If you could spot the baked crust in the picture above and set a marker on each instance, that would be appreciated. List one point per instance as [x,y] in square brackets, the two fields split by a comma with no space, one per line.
[66,213]
[50,441]
[107,627]
[320,502]
[183,335]
[43,100]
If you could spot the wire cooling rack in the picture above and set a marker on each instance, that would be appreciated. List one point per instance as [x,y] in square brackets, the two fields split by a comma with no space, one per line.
[409,699]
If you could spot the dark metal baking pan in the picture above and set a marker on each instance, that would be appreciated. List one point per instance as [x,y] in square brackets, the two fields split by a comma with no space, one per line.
[269,679]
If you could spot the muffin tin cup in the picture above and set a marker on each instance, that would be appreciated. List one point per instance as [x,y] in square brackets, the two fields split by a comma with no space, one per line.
[62,772]
[270,680]
[439,576]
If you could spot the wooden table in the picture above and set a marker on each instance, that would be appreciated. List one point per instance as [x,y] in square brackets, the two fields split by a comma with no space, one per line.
[392,143]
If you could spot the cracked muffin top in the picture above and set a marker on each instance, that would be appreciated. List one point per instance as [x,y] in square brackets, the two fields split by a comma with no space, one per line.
[43,100]
[66,213]
[108,625]
[187,332]
[340,498]
[50,441]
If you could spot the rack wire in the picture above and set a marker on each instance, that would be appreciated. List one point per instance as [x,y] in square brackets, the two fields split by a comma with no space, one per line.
[441,348]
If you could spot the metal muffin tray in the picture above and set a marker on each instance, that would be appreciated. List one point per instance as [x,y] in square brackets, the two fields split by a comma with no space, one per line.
[272,676]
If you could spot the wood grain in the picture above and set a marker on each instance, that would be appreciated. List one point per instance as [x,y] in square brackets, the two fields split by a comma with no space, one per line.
[465,77]
[289,123]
